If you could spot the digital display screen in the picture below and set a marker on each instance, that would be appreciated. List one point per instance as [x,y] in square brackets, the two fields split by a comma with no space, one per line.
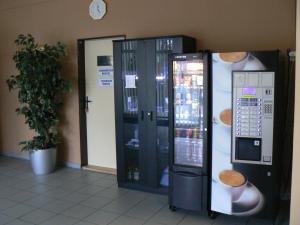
[249,91]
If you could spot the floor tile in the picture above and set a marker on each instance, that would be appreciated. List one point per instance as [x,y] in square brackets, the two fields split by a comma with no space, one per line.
[86,180]
[37,216]
[75,197]
[112,192]
[71,196]
[167,217]
[105,182]
[60,220]
[72,186]
[121,205]
[18,210]
[90,189]
[111,177]
[159,198]
[57,193]
[84,223]
[38,201]
[39,188]
[154,223]
[101,217]
[4,219]
[22,184]
[58,206]
[94,175]
[53,182]
[96,202]
[21,196]
[196,219]
[125,220]
[145,209]
[136,195]
[79,211]
[8,191]
[19,222]
[6,203]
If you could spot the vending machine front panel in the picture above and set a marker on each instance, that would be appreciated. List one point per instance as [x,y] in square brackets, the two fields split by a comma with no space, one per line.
[188,131]
[188,109]
[252,123]
[245,133]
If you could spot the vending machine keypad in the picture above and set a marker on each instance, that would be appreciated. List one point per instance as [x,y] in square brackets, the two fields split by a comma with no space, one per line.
[252,128]
[248,117]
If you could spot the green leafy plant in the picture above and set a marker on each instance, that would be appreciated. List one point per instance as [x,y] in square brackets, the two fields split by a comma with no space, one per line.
[40,89]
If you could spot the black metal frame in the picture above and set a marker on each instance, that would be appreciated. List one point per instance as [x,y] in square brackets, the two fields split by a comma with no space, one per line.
[82,94]
[205,169]
[146,69]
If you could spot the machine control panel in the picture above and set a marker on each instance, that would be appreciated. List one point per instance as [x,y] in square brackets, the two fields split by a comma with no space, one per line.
[252,119]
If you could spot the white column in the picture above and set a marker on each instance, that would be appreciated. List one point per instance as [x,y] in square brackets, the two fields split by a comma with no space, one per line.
[295,203]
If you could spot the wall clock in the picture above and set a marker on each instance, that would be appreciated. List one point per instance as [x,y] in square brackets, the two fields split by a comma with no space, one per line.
[97,9]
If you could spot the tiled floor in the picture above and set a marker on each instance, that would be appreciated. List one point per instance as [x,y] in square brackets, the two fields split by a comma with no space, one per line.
[71,196]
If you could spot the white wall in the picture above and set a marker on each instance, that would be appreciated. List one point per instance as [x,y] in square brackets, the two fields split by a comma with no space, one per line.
[295,204]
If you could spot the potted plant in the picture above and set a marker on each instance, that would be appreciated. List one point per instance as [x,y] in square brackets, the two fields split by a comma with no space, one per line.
[40,89]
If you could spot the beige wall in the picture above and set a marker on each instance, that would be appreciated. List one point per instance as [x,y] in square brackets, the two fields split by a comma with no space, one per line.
[218,25]
[295,204]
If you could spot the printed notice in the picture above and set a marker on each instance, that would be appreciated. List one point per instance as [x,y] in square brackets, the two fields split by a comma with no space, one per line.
[105,71]
[199,80]
[130,81]
[105,82]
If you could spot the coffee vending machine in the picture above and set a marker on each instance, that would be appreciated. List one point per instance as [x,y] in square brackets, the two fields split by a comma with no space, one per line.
[246,129]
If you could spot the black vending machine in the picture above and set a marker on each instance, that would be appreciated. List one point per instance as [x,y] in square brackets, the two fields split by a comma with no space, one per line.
[246,133]
[188,91]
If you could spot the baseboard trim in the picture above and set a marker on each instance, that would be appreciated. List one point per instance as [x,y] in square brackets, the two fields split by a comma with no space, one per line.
[26,157]
[100,169]
[71,165]
[15,155]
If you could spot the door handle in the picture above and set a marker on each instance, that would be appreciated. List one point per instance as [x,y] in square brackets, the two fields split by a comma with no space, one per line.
[87,101]
[150,115]
[142,115]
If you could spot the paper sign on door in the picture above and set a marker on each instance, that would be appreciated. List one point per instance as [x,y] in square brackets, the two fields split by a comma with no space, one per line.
[130,81]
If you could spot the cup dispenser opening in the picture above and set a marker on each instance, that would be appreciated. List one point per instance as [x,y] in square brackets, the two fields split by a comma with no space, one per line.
[248,149]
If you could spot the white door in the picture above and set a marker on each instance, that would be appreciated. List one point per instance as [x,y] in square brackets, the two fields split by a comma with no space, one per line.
[100,115]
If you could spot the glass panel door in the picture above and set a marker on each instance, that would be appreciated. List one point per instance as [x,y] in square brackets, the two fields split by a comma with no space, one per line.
[163,48]
[130,111]
[130,78]
[132,147]
[163,155]
[188,112]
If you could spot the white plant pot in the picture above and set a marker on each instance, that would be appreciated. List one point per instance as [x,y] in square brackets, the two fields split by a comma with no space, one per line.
[43,161]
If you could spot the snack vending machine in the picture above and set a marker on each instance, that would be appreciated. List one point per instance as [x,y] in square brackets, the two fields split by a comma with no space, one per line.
[188,93]
[246,129]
